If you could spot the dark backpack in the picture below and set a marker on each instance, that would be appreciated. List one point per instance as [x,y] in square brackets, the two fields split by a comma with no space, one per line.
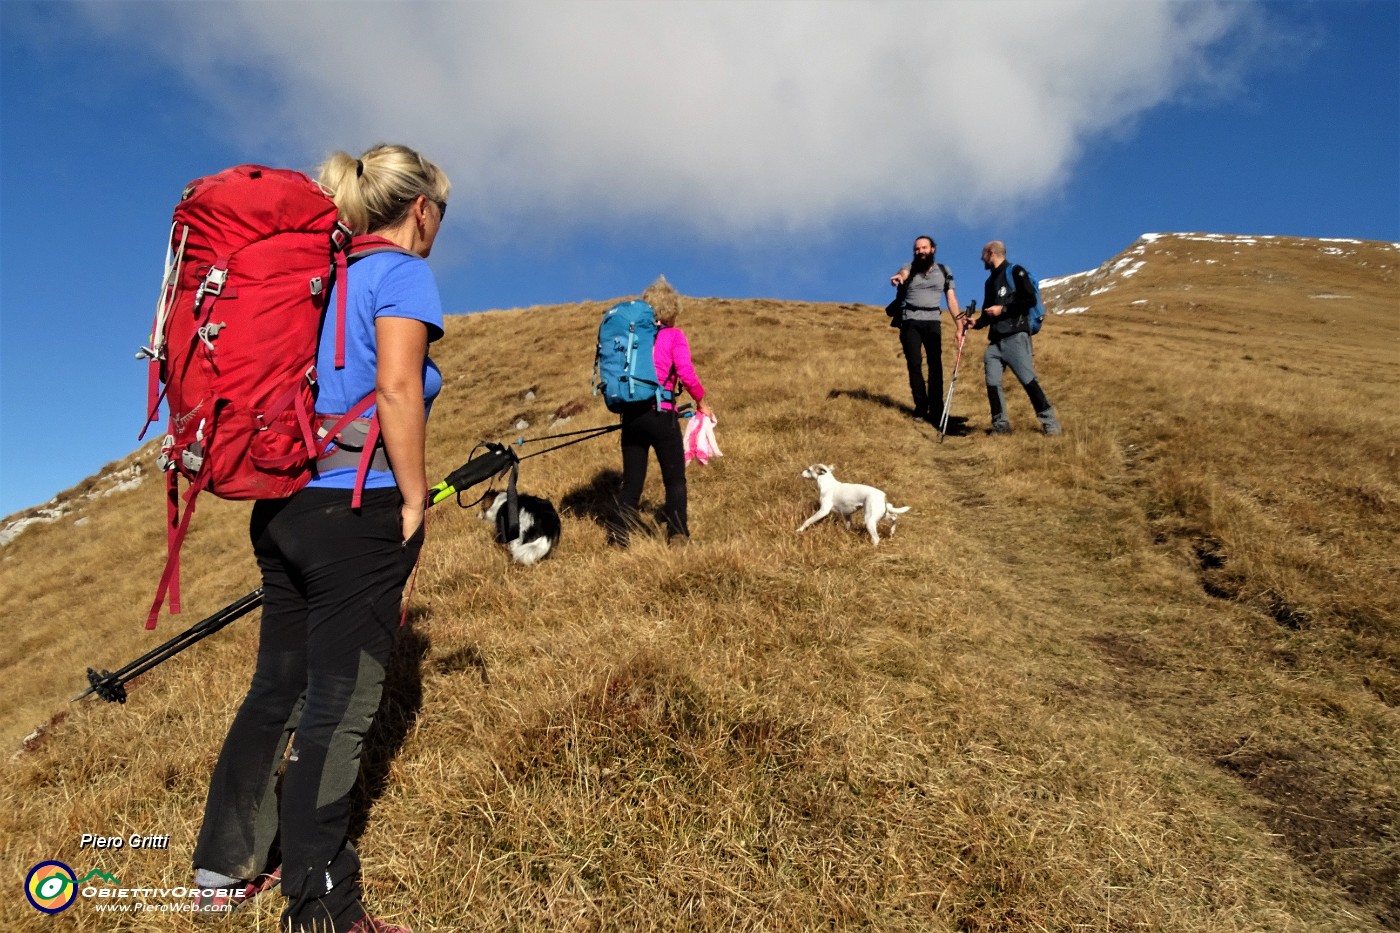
[624,368]
[252,256]
[1035,317]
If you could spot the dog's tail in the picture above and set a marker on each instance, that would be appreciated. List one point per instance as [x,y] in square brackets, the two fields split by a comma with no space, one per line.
[528,553]
[891,510]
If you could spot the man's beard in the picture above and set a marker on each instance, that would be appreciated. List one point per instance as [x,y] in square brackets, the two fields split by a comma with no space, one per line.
[920,264]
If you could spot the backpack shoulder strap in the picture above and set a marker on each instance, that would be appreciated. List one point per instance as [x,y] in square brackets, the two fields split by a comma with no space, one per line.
[1025,316]
[369,244]
[947,277]
[358,248]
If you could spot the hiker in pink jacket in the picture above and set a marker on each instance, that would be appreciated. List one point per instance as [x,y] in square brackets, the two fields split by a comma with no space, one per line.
[674,369]
[647,427]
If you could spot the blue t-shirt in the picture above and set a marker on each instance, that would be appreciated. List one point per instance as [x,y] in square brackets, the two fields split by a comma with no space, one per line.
[381,285]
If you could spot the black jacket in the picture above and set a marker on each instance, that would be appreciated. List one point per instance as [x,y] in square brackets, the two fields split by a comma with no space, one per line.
[1010,286]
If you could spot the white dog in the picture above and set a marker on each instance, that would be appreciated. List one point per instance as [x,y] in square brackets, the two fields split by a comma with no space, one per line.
[845,498]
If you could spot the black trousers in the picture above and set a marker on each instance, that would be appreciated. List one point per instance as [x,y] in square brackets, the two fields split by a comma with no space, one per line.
[333,580]
[645,429]
[918,339]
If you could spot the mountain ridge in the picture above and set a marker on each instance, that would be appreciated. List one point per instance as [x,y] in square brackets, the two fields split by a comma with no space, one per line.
[1062,295]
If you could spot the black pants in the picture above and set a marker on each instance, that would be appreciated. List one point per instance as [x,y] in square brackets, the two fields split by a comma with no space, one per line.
[333,580]
[645,429]
[924,337]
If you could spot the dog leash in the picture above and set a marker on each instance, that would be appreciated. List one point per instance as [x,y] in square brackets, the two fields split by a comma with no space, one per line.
[590,432]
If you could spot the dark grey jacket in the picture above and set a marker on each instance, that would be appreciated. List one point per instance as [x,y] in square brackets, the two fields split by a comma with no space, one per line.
[1010,286]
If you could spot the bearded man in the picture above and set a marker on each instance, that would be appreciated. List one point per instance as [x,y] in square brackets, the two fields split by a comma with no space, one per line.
[924,283]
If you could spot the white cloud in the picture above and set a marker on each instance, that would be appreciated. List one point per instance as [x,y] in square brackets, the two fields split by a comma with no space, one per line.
[725,117]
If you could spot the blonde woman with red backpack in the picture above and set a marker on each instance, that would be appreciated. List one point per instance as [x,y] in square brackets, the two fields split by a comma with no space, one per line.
[335,557]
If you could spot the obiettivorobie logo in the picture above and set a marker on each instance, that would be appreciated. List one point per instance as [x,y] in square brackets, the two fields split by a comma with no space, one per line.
[52,886]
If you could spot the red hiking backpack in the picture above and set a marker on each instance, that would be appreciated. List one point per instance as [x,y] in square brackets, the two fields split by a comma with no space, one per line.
[252,257]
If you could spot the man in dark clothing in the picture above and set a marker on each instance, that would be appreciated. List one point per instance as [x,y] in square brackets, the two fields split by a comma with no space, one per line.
[1007,301]
[924,284]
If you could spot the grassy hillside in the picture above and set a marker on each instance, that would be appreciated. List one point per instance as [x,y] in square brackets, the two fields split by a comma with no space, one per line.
[1140,676]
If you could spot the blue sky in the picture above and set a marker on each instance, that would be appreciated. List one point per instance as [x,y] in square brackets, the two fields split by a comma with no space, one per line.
[779,150]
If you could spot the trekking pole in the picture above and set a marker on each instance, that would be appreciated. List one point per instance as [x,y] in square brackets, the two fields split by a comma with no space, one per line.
[111,685]
[953,380]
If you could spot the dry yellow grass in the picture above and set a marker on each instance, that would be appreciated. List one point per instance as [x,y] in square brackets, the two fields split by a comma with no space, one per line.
[1142,676]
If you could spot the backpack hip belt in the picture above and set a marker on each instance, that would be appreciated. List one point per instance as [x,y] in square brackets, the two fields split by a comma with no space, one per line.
[350,445]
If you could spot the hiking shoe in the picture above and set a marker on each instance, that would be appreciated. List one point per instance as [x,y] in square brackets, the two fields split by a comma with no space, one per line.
[368,924]
[999,429]
[678,541]
[1052,430]
[225,900]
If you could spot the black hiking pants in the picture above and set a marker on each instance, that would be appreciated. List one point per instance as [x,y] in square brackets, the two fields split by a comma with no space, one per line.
[645,429]
[918,339]
[333,580]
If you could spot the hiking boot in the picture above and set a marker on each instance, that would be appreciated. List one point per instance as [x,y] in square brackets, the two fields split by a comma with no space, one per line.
[1052,430]
[999,428]
[221,901]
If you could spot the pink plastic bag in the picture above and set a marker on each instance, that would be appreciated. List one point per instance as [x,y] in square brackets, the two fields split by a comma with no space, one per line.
[700,439]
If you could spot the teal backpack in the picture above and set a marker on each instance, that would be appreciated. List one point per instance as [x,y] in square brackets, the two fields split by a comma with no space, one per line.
[624,369]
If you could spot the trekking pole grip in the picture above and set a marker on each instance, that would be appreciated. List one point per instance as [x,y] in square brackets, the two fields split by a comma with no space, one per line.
[496,460]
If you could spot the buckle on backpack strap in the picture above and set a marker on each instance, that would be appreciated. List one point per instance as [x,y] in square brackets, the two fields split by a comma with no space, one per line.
[165,463]
[341,236]
[213,283]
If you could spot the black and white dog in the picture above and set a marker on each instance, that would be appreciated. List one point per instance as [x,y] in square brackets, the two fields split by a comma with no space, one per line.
[539,526]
